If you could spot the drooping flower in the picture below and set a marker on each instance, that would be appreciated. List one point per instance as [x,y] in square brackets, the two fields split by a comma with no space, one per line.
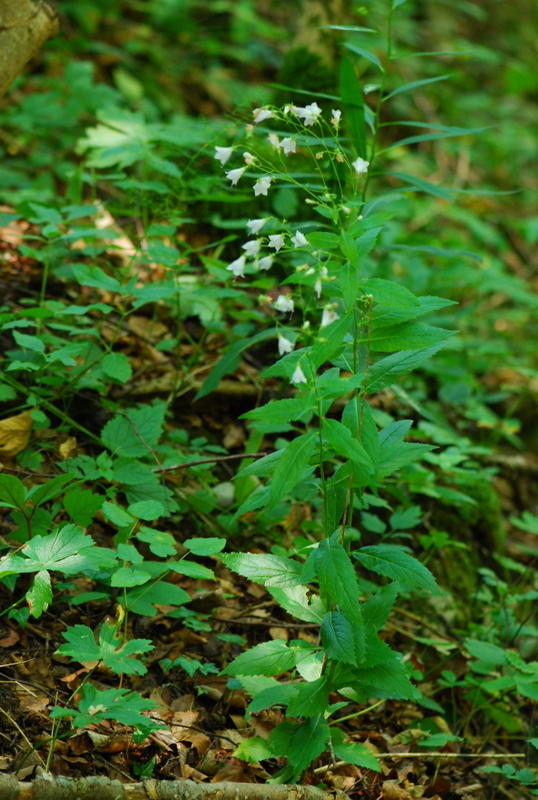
[288,145]
[309,114]
[248,158]
[284,345]
[252,247]
[261,114]
[299,239]
[262,185]
[298,375]
[237,267]
[318,284]
[273,139]
[360,166]
[254,226]
[276,241]
[284,303]
[266,262]
[223,154]
[336,115]
[328,316]
[234,174]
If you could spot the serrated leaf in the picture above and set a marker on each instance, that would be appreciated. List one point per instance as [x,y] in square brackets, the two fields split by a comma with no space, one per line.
[345,444]
[393,562]
[267,569]
[307,743]
[268,658]
[253,750]
[65,550]
[310,699]
[147,510]
[295,600]
[387,369]
[82,505]
[47,491]
[337,579]
[337,636]
[39,595]
[230,360]
[125,577]
[135,431]
[117,656]
[354,753]
[279,412]
[117,367]
[291,465]
[118,704]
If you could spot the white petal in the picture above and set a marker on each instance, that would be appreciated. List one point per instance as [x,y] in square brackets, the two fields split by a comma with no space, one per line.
[298,376]
[223,154]
[254,226]
[288,145]
[276,240]
[273,139]
[283,303]
[248,158]
[265,263]
[234,174]
[261,114]
[328,316]
[262,185]
[299,239]
[237,267]
[360,166]
[252,247]
[284,345]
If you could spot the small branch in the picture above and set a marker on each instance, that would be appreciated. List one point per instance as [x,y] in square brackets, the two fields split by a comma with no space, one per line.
[50,788]
[212,460]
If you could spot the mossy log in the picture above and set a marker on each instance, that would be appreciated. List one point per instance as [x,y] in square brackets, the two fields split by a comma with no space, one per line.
[24,26]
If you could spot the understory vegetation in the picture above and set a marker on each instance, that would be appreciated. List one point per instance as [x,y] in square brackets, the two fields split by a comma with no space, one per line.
[268,383]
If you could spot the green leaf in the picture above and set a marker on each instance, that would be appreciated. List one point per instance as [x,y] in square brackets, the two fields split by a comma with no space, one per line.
[337,578]
[117,656]
[291,465]
[408,87]
[119,704]
[407,336]
[253,750]
[279,412]
[268,658]
[345,444]
[353,105]
[66,550]
[147,510]
[268,569]
[161,543]
[295,600]
[230,360]
[129,576]
[367,54]
[358,754]
[82,505]
[39,596]
[135,431]
[310,699]
[117,366]
[420,185]
[205,546]
[384,371]
[192,569]
[94,276]
[337,636]
[12,492]
[117,515]
[143,599]
[47,491]
[393,562]
[307,742]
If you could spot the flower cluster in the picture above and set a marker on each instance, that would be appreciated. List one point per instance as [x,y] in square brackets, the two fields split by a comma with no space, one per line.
[257,242]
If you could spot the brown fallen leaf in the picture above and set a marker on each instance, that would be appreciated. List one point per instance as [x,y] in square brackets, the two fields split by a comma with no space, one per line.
[15,434]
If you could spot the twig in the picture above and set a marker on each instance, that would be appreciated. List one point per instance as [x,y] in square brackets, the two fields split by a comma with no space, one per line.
[208,461]
[425,755]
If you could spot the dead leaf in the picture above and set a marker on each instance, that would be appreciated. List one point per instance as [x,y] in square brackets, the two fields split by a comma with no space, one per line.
[11,638]
[392,791]
[68,448]
[15,434]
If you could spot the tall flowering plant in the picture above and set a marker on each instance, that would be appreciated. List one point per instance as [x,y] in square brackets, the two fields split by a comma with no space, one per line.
[342,335]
